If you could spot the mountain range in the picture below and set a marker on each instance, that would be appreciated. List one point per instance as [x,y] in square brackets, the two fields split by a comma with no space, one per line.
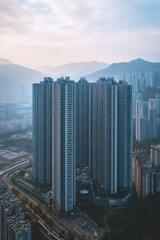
[74,70]
[16,80]
[4,61]
[135,66]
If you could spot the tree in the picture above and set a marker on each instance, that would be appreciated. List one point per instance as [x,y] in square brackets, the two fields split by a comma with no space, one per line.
[69,235]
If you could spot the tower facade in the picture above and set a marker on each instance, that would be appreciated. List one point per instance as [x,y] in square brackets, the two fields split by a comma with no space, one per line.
[110,134]
[103,130]
[64,145]
[82,123]
[42,131]
[124,135]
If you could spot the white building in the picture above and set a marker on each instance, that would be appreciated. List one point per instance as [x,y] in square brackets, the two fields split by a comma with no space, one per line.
[63,145]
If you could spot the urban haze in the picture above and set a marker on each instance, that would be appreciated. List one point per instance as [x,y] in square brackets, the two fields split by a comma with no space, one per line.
[79,120]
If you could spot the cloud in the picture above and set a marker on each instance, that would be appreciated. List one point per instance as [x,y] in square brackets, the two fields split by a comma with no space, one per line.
[36,6]
[96,29]
[13,18]
[77,17]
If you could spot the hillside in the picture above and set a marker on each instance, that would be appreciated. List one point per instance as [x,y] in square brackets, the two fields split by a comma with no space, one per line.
[16,82]
[74,70]
[139,221]
[134,66]
[4,61]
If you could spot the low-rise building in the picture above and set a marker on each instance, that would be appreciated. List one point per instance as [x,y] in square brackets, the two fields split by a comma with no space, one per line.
[20,230]
[13,225]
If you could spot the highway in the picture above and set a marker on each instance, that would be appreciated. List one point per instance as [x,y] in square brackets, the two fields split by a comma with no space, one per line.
[16,167]
[58,222]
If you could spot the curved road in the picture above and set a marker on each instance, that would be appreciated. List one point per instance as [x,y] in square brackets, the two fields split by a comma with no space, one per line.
[59,223]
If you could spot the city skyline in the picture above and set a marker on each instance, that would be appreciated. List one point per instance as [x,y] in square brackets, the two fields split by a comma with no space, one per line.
[35,33]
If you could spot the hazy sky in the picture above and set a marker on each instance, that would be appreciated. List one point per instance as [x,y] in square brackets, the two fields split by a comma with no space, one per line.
[35,33]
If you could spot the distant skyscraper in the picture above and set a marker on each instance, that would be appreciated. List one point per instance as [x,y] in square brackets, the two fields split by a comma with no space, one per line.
[110,134]
[146,117]
[136,97]
[141,132]
[42,131]
[157,77]
[64,145]
[153,123]
[149,76]
[145,109]
[143,175]
[154,103]
[82,123]
[139,108]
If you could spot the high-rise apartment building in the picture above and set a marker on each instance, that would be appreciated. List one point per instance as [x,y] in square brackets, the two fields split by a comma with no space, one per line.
[146,117]
[154,103]
[103,128]
[153,123]
[82,123]
[42,131]
[143,174]
[152,77]
[110,134]
[124,135]
[141,131]
[64,145]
